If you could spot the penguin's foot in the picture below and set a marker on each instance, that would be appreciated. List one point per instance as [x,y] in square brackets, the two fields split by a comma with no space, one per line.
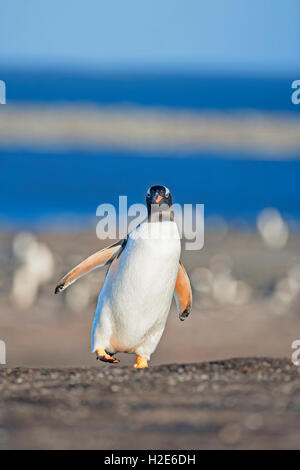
[102,355]
[141,362]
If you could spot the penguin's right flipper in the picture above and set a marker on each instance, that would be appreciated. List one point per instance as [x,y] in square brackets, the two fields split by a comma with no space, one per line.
[183,293]
[97,260]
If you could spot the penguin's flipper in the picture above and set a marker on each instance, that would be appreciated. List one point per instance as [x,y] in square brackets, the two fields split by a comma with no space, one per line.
[97,260]
[183,293]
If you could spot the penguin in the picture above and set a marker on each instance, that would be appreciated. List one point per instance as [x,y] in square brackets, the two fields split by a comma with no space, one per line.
[144,273]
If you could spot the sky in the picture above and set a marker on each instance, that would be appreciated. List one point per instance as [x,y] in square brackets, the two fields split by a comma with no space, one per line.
[241,35]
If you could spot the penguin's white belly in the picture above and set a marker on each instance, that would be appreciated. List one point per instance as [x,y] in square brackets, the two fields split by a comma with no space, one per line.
[137,294]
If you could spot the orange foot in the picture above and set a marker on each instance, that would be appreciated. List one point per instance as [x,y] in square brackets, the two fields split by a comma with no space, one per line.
[103,356]
[141,362]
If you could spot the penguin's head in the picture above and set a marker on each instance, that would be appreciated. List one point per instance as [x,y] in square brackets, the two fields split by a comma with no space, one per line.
[158,197]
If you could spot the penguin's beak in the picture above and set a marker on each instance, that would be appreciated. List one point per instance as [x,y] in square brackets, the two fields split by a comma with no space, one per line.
[158,198]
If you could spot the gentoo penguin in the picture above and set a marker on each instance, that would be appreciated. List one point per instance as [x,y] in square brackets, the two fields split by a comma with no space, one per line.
[144,272]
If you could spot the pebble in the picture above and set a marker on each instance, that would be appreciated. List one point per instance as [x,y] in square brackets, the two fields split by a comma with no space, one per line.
[231,433]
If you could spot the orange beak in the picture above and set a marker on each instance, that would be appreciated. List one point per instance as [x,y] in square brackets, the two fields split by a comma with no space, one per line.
[158,199]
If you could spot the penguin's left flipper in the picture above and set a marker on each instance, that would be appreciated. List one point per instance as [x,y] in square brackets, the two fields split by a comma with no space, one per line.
[97,260]
[183,293]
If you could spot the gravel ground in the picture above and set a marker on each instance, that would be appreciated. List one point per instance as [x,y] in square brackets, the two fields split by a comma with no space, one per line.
[250,403]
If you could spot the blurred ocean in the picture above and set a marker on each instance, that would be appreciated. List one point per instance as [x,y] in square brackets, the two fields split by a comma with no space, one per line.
[35,186]
[187,91]
[38,185]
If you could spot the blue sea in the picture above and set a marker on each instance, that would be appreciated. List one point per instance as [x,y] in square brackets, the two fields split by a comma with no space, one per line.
[38,186]
[172,90]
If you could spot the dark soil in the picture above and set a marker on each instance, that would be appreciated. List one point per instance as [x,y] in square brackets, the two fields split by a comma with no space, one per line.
[239,403]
